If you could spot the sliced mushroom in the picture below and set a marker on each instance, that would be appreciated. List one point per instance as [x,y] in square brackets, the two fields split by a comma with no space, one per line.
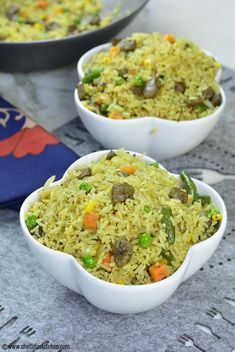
[86,172]
[150,88]
[116,41]
[177,193]
[137,90]
[51,26]
[81,92]
[180,87]
[127,45]
[72,29]
[195,102]
[95,20]
[123,72]
[208,93]
[12,12]
[121,192]
[122,250]
[216,100]
[125,174]
[111,155]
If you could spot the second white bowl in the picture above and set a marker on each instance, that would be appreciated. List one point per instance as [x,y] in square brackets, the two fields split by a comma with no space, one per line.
[159,138]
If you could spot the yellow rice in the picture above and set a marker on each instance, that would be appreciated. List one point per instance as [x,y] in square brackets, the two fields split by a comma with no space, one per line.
[60,211]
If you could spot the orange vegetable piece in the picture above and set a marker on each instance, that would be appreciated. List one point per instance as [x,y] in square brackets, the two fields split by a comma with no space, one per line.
[115,115]
[24,14]
[170,38]
[158,272]
[107,258]
[132,71]
[90,221]
[114,50]
[129,169]
[59,10]
[100,100]
[42,4]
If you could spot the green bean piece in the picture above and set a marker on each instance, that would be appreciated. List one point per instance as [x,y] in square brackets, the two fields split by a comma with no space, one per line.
[189,185]
[104,109]
[204,200]
[90,76]
[169,227]
[168,256]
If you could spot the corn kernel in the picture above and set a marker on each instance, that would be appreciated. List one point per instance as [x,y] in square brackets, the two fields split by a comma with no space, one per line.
[90,206]
[120,282]
[147,62]
[189,239]
[217,217]
[38,26]
[59,10]
[106,60]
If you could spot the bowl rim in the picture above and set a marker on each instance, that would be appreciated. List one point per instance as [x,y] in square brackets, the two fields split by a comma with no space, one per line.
[75,36]
[180,271]
[152,118]
[105,46]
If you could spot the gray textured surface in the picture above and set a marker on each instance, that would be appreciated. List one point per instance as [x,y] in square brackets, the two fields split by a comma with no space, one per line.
[63,317]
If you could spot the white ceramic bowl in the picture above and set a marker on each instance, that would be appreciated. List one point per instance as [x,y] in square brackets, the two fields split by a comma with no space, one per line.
[159,138]
[113,297]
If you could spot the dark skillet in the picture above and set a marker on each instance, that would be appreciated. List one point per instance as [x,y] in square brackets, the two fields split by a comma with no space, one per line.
[52,53]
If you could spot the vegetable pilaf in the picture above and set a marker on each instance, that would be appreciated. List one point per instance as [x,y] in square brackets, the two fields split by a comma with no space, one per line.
[124,220]
[150,74]
[26,20]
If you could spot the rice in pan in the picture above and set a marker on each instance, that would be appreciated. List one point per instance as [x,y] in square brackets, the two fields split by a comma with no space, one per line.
[126,221]
[26,20]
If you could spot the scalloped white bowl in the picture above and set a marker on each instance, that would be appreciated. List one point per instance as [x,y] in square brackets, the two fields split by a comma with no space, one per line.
[159,138]
[113,297]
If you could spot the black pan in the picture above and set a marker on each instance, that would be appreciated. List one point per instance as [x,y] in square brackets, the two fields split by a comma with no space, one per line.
[48,54]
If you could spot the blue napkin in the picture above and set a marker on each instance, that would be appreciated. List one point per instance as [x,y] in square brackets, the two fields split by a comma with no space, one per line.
[29,155]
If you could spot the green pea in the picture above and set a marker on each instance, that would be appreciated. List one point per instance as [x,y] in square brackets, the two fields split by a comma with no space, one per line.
[147,209]
[77,21]
[213,212]
[203,107]
[120,81]
[145,240]
[87,187]
[22,21]
[104,109]
[89,261]
[31,221]
[156,165]
[138,81]
[90,76]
